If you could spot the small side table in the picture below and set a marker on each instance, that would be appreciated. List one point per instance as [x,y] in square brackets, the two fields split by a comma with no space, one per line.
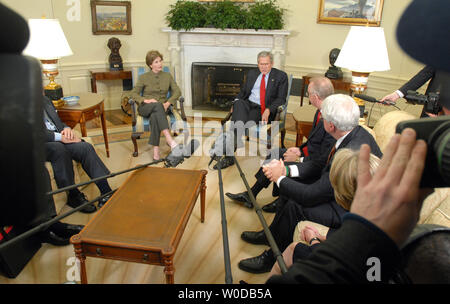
[342,84]
[303,117]
[90,106]
[107,75]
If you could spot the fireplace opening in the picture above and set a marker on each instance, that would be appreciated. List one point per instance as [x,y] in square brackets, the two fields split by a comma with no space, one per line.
[215,85]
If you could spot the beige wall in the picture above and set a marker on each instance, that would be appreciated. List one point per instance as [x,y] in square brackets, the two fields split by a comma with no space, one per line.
[308,44]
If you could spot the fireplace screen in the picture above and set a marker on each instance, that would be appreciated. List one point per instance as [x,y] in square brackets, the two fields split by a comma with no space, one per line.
[215,85]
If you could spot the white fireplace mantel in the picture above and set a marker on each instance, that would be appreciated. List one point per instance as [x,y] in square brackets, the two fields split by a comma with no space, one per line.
[216,45]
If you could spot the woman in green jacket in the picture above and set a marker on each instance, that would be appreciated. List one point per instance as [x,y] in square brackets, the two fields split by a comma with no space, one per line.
[151,93]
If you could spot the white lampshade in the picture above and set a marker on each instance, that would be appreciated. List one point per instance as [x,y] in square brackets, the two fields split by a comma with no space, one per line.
[47,40]
[364,50]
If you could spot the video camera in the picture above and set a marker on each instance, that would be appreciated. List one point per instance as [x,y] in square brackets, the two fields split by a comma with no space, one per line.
[430,101]
[436,133]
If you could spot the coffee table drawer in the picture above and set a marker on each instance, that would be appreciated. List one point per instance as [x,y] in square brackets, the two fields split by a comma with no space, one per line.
[124,254]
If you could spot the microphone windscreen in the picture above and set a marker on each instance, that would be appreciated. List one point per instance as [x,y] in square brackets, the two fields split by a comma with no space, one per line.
[366,97]
[224,145]
[177,155]
[15,33]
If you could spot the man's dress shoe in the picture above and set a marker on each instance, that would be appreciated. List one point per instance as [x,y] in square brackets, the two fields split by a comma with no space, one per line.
[104,200]
[255,237]
[259,264]
[225,162]
[60,234]
[241,197]
[272,207]
[78,200]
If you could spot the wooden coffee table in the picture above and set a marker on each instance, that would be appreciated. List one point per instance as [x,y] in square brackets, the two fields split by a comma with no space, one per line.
[144,220]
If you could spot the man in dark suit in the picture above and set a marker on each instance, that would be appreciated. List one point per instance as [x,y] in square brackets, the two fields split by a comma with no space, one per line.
[62,146]
[310,201]
[428,73]
[263,92]
[319,143]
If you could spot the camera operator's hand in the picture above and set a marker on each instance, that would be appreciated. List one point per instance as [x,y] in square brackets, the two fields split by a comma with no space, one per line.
[392,98]
[391,198]
[431,114]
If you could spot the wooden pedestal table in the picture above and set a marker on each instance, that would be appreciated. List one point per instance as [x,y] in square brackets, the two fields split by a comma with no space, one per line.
[144,220]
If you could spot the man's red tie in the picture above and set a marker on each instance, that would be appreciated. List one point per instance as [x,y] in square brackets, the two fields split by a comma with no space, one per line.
[262,94]
[330,156]
[318,118]
[305,148]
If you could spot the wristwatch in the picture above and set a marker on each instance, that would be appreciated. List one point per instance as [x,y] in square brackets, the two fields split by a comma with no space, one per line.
[314,239]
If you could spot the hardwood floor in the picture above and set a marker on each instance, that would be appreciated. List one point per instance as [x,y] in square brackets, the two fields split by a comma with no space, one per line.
[199,258]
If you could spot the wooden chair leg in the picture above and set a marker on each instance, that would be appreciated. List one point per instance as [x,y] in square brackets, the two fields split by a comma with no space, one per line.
[283,134]
[134,138]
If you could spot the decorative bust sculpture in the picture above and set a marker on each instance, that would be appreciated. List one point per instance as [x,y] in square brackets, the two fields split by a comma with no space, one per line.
[115,60]
[333,71]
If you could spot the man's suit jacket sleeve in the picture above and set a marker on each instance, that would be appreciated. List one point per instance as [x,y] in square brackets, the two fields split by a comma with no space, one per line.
[246,90]
[308,195]
[342,258]
[49,135]
[418,80]
[312,169]
[281,92]
[51,112]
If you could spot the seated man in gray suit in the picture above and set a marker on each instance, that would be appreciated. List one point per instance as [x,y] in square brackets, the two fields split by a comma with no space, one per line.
[261,95]
[61,147]
[310,201]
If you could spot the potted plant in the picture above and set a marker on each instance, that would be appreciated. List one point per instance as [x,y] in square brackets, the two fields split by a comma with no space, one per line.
[264,14]
[186,15]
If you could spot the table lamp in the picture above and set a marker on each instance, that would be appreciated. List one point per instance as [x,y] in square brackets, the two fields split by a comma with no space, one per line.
[364,51]
[48,44]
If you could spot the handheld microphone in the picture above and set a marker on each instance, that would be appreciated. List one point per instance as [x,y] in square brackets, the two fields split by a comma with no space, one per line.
[373,99]
[224,145]
[366,98]
[180,152]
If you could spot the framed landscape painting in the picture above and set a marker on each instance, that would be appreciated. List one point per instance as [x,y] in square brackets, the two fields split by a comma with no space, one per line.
[111,17]
[350,12]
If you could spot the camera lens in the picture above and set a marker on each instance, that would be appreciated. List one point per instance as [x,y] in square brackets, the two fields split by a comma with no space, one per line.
[440,141]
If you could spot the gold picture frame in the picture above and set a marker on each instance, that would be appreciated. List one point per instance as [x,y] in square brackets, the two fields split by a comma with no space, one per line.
[111,17]
[346,13]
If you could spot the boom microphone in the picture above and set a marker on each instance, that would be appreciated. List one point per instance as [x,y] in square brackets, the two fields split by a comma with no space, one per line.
[180,152]
[374,100]
[224,145]
[366,98]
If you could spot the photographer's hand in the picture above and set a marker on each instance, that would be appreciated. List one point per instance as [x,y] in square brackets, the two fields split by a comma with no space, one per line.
[391,198]
[392,98]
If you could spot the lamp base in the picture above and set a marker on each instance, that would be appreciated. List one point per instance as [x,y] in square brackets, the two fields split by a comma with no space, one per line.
[55,93]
